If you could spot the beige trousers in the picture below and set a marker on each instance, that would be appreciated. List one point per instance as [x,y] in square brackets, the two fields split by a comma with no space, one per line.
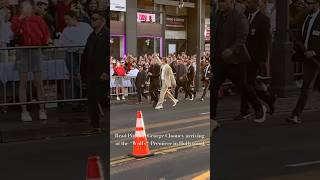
[164,91]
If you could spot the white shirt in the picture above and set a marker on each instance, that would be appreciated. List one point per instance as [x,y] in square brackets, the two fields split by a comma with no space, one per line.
[162,73]
[133,72]
[253,15]
[314,16]
[75,35]
[206,70]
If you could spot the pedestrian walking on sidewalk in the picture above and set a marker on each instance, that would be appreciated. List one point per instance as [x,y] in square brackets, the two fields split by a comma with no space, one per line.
[231,56]
[141,83]
[168,81]
[258,44]
[308,44]
[94,68]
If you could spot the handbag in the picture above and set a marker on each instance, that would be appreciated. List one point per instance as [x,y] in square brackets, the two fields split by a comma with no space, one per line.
[238,57]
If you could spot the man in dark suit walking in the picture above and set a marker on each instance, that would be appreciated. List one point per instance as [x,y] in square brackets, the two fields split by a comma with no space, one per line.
[181,79]
[190,74]
[94,68]
[206,76]
[154,75]
[230,57]
[310,45]
[141,83]
[258,44]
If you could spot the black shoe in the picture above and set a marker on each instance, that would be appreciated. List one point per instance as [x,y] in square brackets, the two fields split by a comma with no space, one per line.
[243,116]
[294,119]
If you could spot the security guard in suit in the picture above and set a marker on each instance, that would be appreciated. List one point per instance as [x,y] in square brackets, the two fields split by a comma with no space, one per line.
[309,45]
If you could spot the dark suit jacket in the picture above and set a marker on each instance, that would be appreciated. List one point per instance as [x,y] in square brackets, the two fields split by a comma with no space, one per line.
[231,34]
[141,79]
[259,38]
[181,73]
[314,39]
[191,73]
[155,69]
[95,56]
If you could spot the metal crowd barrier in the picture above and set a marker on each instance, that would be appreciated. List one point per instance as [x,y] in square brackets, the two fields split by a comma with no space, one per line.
[124,85]
[57,66]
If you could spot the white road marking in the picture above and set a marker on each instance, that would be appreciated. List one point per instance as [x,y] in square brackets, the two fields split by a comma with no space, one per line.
[205,113]
[304,164]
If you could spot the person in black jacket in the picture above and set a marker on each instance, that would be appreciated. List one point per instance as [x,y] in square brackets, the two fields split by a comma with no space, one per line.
[190,75]
[308,44]
[141,83]
[154,75]
[258,44]
[94,68]
[206,76]
[230,57]
[181,79]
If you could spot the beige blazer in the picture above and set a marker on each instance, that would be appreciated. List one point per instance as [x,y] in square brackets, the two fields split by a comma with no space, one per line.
[169,79]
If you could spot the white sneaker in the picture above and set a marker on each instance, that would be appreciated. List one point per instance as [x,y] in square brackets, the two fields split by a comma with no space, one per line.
[123,98]
[192,97]
[158,107]
[118,99]
[43,115]
[25,116]
[263,118]
[175,102]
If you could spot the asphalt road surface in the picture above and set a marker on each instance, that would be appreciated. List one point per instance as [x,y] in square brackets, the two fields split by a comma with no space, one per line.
[274,150]
[179,137]
[52,159]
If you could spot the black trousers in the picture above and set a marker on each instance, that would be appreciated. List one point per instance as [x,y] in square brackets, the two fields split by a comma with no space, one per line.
[97,94]
[266,96]
[311,71]
[237,74]
[154,92]
[206,85]
[184,85]
[140,91]
[189,83]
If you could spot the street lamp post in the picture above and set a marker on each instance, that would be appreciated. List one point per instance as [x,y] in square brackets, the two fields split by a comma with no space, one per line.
[281,65]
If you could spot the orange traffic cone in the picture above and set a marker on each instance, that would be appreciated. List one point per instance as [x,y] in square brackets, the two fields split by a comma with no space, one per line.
[94,169]
[140,144]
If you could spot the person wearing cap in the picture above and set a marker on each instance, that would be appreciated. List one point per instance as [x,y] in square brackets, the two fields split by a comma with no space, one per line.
[94,68]
[309,44]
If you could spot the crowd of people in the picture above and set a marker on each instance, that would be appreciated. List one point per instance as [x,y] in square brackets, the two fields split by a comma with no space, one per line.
[146,71]
[56,14]
[41,23]
[242,45]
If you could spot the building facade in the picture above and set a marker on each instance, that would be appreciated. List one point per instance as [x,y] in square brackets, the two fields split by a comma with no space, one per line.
[159,26]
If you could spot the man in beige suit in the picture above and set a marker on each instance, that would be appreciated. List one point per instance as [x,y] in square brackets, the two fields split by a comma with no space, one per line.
[168,81]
